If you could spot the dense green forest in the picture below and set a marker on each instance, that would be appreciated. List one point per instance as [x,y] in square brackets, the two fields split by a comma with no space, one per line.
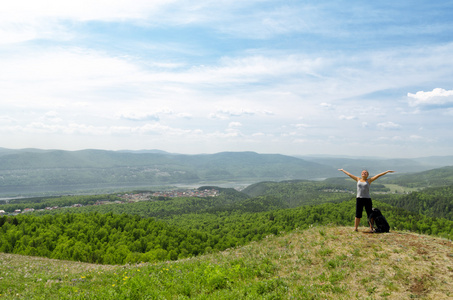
[434,202]
[172,228]
[116,239]
[98,238]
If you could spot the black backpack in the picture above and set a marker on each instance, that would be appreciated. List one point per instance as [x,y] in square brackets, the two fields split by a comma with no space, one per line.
[378,221]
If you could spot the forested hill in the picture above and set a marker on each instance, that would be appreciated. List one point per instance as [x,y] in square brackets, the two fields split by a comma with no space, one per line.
[441,177]
[232,162]
[54,170]
[431,178]
[98,234]
[434,202]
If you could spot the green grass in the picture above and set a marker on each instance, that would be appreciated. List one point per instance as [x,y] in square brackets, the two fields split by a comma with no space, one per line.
[401,189]
[317,263]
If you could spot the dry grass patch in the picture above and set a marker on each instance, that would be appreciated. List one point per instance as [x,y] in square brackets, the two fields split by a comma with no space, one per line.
[337,263]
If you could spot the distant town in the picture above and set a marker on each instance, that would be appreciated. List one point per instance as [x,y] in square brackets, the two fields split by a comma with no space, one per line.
[170,194]
[131,198]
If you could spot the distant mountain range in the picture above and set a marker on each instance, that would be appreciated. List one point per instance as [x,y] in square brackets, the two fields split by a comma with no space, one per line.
[31,171]
[377,165]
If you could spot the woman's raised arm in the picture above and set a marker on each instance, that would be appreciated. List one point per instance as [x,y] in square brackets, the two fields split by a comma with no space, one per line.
[349,174]
[379,175]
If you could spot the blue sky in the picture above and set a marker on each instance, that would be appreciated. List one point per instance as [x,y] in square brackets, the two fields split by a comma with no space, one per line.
[361,78]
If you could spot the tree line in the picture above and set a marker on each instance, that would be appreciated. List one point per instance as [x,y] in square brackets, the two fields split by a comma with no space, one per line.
[435,202]
[114,238]
[43,202]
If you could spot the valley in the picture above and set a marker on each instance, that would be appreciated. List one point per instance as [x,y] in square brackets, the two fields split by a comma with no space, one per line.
[230,242]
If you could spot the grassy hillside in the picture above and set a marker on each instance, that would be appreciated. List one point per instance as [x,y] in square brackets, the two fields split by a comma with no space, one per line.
[316,263]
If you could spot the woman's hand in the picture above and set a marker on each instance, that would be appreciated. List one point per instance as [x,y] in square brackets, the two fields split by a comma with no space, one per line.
[379,175]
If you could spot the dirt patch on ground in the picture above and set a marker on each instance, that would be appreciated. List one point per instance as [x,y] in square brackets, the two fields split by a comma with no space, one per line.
[420,285]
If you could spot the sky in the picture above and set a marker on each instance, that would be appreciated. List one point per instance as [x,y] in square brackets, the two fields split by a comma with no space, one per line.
[355,78]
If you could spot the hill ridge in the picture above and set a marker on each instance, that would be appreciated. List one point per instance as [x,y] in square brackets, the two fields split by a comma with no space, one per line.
[28,172]
[319,262]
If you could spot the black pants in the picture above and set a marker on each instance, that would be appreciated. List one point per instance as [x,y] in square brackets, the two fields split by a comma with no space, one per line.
[363,202]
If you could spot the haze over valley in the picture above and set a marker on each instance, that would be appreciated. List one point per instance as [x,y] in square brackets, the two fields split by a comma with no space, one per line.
[45,172]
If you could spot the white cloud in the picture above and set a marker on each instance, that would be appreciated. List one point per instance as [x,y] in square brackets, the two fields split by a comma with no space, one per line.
[12,33]
[326,105]
[52,116]
[436,97]
[74,75]
[30,20]
[218,116]
[415,137]
[229,133]
[236,112]
[300,141]
[81,10]
[95,66]
[73,128]
[25,20]
[166,65]
[7,119]
[226,113]
[161,129]
[63,71]
[407,139]
[343,117]
[388,126]
[142,113]
[242,70]
[302,126]
[93,130]
[234,124]
[139,116]
[184,115]
[395,138]
[291,133]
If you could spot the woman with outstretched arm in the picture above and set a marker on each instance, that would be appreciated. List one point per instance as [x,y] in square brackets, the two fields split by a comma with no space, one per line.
[363,193]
